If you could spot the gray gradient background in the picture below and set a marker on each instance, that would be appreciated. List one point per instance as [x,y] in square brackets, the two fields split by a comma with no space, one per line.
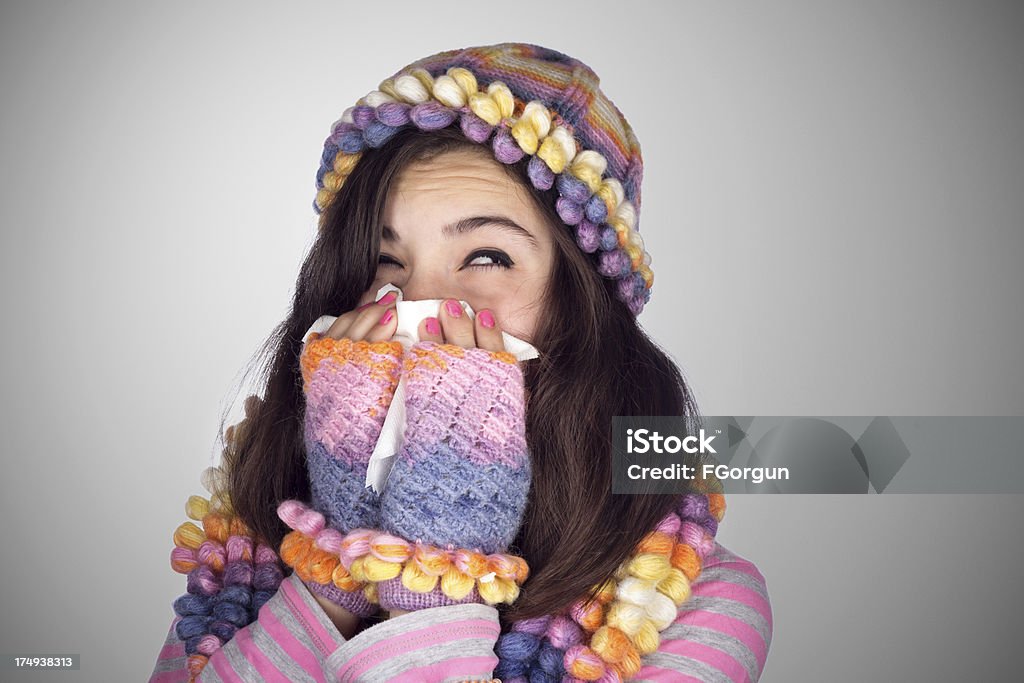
[833,202]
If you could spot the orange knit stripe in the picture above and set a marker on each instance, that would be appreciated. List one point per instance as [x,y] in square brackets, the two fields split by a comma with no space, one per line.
[716,503]
[686,559]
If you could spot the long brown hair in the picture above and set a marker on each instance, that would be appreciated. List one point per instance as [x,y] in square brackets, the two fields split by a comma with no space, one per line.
[575,532]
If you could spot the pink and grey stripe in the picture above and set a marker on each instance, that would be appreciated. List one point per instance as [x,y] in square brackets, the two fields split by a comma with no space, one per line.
[721,634]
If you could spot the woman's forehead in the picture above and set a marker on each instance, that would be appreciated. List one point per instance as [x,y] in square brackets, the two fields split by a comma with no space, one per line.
[455,169]
[456,183]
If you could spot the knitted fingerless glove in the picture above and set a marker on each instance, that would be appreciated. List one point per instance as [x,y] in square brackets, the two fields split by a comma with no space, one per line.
[456,494]
[348,386]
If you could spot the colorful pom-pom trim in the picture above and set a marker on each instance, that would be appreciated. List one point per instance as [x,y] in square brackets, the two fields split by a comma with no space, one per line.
[591,204]
[603,639]
[363,558]
[231,574]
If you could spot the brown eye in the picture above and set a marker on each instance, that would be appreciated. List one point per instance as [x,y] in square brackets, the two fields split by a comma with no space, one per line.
[499,259]
[386,260]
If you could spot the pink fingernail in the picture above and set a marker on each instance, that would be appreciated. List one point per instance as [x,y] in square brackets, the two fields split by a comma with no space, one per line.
[486,319]
[387,298]
[432,326]
[453,307]
[386,318]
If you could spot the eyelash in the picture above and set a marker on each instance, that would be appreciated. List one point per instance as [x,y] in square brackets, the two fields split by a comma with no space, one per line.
[502,260]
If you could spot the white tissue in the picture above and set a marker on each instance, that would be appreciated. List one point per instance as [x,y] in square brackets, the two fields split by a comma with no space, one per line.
[410,314]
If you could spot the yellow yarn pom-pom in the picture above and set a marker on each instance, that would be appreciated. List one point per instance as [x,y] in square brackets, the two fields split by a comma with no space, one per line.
[416,580]
[197,507]
[498,591]
[649,566]
[611,644]
[455,584]
[626,617]
[558,149]
[357,571]
[188,535]
[589,166]
[345,163]
[448,92]
[647,638]
[676,586]
[465,79]
[533,126]
[379,570]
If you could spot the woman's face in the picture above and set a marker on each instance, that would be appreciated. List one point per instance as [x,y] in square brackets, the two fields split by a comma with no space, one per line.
[458,227]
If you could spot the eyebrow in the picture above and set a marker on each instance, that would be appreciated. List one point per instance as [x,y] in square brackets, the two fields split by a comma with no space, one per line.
[471,223]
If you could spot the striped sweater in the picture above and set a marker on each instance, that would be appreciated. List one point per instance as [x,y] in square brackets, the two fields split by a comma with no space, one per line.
[721,634]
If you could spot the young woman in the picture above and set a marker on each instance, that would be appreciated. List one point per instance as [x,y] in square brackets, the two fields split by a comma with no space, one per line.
[503,177]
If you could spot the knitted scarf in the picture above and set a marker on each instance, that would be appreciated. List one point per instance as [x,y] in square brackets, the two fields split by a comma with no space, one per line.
[232,573]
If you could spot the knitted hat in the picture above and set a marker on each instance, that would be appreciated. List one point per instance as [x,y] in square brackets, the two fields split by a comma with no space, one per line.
[521,100]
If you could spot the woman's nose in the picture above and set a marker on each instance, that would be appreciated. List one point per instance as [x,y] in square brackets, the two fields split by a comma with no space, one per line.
[422,285]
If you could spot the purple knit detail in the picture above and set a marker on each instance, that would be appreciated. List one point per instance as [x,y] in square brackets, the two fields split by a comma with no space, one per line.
[614,263]
[572,188]
[377,133]
[625,286]
[363,115]
[609,238]
[534,650]
[330,152]
[588,236]
[569,211]
[203,581]
[432,115]
[394,595]
[694,507]
[238,574]
[596,209]
[536,626]
[267,576]
[475,128]
[339,127]
[564,633]
[506,149]
[350,141]
[541,175]
[394,114]
[354,601]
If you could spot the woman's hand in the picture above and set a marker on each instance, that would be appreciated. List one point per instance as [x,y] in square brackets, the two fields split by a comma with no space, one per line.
[377,321]
[374,321]
[454,326]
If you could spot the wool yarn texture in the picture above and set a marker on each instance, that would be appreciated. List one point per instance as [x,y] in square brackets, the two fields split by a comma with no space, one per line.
[462,475]
[409,314]
[600,639]
[348,386]
[471,470]
[520,100]
[455,496]
[231,573]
